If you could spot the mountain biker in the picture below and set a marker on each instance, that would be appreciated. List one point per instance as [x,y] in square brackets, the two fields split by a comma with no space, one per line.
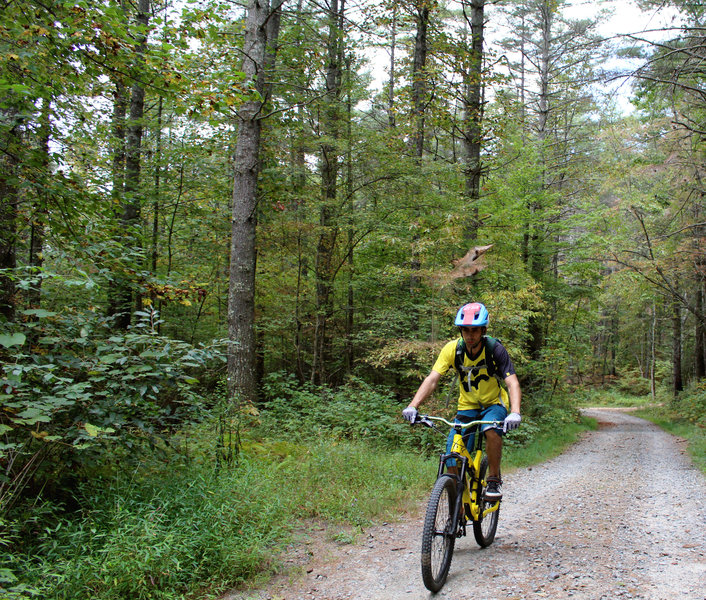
[481,397]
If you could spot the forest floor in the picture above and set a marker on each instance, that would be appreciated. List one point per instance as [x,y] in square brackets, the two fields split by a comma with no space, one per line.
[620,515]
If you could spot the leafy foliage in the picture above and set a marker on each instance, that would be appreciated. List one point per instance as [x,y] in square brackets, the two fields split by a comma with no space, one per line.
[72,391]
[179,529]
[356,411]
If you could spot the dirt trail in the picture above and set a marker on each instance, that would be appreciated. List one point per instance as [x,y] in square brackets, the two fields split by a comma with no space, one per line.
[621,515]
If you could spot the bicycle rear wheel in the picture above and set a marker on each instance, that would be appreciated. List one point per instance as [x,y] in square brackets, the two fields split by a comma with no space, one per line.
[485,527]
[439,534]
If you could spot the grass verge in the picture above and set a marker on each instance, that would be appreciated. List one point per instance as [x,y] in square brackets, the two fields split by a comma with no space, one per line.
[185,531]
[694,433]
[683,416]
[547,443]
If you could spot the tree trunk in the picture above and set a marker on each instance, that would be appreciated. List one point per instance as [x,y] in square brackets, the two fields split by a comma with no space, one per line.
[39,210]
[419,77]
[129,221]
[700,363]
[473,109]
[243,255]
[330,128]
[419,88]
[537,253]
[653,353]
[118,178]
[391,119]
[8,217]
[678,384]
[157,185]
[348,349]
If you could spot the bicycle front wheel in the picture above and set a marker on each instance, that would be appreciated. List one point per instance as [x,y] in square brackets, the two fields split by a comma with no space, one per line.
[485,527]
[439,534]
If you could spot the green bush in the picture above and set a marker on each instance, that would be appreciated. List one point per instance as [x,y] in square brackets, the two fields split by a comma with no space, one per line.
[690,405]
[356,411]
[185,530]
[68,382]
[631,382]
[161,537]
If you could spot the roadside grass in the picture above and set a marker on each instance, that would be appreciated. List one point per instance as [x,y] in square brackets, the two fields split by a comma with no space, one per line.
[684,416]
[611,398]
[186,530]
[674,423]
[546,444]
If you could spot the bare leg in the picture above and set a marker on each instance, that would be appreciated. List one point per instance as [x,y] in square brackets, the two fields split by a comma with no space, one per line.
[494,449]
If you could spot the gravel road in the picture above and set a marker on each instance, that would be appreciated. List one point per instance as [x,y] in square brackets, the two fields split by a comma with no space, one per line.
[621,514]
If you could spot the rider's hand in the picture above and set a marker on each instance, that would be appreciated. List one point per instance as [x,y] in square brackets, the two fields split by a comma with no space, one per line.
[410,414]
[512,421]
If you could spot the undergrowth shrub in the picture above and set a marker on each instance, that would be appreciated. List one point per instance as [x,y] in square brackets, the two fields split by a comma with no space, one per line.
[356,411]
[160,537]
[187,530]
[690,405]
[68,382]
[360,411]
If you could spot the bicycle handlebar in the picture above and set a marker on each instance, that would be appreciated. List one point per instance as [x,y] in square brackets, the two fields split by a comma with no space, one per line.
[427,420]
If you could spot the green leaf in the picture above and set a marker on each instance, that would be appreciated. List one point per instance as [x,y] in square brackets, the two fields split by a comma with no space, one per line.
[39,312]
[30,413]
[7,576]
[16,339]
[109,359]
[95,431]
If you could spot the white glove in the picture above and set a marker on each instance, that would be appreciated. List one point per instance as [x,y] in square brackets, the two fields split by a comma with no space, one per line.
[410,414]
[512,421]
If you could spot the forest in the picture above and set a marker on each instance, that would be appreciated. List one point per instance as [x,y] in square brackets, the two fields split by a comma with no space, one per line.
[227,228]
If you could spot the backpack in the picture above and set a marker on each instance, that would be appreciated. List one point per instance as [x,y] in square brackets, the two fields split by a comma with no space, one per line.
[466,372]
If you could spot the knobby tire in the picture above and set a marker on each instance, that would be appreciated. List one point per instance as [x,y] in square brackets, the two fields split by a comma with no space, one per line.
[485,527]
[439,534]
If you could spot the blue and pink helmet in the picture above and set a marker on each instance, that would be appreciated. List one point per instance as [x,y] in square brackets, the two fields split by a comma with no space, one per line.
[473,314]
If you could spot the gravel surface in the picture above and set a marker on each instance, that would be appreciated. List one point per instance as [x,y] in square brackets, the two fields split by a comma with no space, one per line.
[620,515]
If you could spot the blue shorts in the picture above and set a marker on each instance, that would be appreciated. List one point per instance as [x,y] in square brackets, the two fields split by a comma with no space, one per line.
[494,412]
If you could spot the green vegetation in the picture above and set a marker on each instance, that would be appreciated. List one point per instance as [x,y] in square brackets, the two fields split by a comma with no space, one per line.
[168,531]
[161,194]
[685,416]
[182,526]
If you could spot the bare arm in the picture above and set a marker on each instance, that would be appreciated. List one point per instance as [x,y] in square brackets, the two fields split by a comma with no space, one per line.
[426,389]
[513,388]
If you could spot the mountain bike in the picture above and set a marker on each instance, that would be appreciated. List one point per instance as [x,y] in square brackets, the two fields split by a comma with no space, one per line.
[455,499]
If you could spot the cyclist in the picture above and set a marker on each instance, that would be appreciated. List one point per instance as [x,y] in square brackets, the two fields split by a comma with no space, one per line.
[481,397]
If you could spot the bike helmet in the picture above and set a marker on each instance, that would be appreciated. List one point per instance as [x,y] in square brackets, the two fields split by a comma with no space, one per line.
[473,314]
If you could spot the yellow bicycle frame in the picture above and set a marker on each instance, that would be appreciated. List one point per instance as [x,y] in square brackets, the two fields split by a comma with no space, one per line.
[470,496]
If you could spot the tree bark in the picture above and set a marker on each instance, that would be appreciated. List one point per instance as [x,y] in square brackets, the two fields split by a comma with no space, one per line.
[536,255]
[700,363]
[419,92]
[348,349]
[678,384]
[243,254]
[329,231]
[39,209]
[419,77]
[130,210]
[473,109]
[653,353]
[391,118]
[118,177]
[8,217]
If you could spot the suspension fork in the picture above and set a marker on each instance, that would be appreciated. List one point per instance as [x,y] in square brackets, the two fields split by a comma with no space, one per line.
[459,476]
